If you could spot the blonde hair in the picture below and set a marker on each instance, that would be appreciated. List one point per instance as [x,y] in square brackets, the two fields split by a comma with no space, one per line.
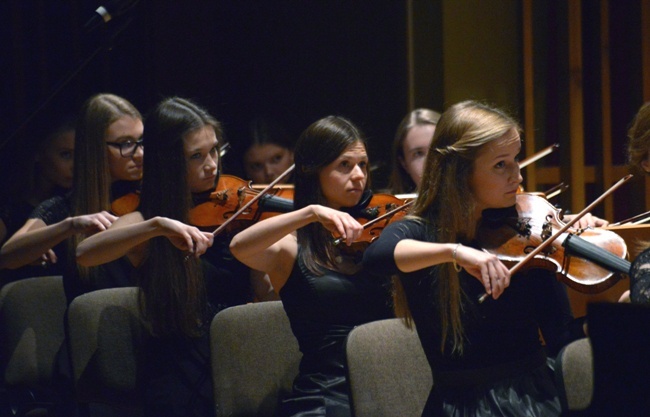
[446,203]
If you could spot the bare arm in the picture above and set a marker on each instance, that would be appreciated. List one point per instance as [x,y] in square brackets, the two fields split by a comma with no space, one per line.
[262,287]
[35,238]
[412,255]
[129,233]
[268,245]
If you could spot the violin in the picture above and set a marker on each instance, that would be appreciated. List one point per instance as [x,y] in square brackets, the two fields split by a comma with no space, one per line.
[374,212]
[129,197]
[232,194]
[512,234]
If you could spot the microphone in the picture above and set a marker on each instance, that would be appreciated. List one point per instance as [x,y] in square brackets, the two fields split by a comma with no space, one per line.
[109,10]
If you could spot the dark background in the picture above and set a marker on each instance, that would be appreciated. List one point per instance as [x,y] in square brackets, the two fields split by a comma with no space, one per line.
[296,61]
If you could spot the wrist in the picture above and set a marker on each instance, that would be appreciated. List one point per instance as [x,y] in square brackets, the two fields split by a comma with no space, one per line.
[454,257]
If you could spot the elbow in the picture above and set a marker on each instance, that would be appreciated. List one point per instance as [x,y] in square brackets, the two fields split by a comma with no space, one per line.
[4,264]
[82,256]
[235,247]
[7,261]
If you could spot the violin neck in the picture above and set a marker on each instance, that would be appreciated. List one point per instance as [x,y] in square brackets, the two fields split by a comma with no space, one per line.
[579,247]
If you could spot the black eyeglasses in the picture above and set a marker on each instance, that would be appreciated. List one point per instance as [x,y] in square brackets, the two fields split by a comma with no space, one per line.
[128,148]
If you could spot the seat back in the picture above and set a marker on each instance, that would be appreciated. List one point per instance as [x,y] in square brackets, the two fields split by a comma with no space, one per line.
[620,336]
[574,373]
[31,330]
[106,335]
[388,371]
[255,358]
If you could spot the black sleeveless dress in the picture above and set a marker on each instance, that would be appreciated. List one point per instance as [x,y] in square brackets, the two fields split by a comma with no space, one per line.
[322,311]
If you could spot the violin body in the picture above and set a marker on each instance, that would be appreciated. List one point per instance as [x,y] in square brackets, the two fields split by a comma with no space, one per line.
[127,197]
[374,212]
[532,222]
[378,205]
[230,195]
[126,204]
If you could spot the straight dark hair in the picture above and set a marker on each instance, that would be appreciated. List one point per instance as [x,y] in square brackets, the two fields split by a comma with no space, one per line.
[318,146]
[172,290]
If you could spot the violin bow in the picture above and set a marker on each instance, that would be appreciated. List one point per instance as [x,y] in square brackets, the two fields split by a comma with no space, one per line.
[557,234]
[224,148]
[539,155]
[380,218]
[247,205]
[254,199]
[638,219]
[556,190]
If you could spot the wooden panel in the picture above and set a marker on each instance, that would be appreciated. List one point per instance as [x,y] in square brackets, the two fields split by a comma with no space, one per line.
[576,111]
[606,113]
[529,92]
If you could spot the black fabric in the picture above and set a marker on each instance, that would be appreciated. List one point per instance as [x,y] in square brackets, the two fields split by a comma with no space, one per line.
[177,378]
[176,374]
[322,311]
[227,279]
[14,214]
[498,332]
[620,334]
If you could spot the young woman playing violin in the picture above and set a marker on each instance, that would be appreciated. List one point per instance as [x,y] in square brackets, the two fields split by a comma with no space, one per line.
[44,167]
[178,294]
[324,292]
[486,358]
[108,154]
[105,152]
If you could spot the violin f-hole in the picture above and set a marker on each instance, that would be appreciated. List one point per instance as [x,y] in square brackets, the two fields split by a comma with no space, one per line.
[523,227]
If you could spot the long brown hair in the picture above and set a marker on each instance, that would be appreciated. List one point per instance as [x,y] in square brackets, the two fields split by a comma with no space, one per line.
[172,290]
[400,181]
[319,145]
[445,203]
[92,177]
